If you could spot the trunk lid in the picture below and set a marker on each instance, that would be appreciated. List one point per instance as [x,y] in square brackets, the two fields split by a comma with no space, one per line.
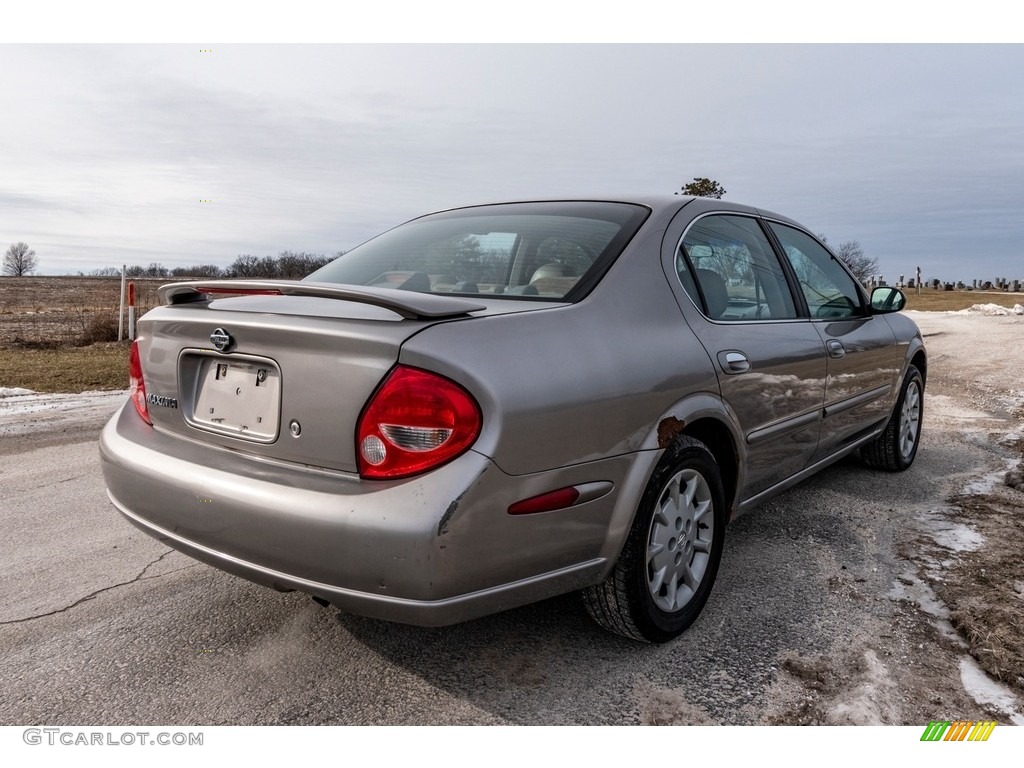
[277,369]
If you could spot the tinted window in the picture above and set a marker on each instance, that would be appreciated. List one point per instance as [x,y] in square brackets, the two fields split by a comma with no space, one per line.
[830,292]
[539,250]
[728,268]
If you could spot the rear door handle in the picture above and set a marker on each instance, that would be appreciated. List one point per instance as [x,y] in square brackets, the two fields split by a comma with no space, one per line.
[835,348]
[733,361]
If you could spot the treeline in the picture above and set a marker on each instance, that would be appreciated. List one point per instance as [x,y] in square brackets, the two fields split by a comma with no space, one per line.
[287,265]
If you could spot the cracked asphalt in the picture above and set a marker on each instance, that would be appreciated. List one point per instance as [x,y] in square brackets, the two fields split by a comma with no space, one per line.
[99,624]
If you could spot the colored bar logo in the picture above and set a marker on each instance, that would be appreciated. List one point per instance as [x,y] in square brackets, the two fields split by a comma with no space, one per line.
[958,730]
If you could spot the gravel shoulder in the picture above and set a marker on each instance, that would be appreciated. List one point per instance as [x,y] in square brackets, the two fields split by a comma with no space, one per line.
[949,643]
[29,420]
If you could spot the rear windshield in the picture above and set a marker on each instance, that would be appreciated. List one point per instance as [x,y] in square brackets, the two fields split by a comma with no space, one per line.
[553,251]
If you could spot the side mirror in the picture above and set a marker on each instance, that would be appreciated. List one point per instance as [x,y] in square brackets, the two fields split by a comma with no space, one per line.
[887,299]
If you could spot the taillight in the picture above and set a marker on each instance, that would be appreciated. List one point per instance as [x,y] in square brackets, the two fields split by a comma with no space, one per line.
[415,421]
[228,291]
[136,384]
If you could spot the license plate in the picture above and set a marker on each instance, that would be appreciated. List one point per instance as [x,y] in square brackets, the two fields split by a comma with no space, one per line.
[238,397]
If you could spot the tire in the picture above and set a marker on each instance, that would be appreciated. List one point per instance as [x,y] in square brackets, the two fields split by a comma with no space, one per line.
[895,449]
[668,565]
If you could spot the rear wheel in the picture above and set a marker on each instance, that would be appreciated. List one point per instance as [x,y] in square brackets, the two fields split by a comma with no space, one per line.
[895,449]
[666,570]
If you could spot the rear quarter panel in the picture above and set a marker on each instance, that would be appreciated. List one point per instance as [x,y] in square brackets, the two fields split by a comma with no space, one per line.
[580,382]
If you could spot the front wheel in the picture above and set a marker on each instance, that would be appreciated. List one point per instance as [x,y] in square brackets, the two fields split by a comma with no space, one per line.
[666,570]
[895,449]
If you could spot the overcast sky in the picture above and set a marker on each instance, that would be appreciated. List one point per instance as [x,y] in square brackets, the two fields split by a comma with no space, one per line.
[107,152]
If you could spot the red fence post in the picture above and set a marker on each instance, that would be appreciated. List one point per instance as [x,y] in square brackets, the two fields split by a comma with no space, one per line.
[131,311]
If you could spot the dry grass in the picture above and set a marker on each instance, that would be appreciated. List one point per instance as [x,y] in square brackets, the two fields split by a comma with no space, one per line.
[945,301]
[57,311]
[66,369]
[56,332]
[985,588]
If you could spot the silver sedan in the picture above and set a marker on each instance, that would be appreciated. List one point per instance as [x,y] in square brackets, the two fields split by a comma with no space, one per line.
[489,406]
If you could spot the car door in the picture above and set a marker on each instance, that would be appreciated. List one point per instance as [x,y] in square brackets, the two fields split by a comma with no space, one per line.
[770,361]
[864,360]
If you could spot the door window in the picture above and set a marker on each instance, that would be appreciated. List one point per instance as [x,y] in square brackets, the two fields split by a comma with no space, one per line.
[728,268]
[829,290]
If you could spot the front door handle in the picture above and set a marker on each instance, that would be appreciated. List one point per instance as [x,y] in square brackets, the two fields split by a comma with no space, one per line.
[835,348]
[733,361]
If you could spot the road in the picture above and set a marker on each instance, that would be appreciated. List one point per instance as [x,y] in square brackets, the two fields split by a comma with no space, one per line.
[101,624]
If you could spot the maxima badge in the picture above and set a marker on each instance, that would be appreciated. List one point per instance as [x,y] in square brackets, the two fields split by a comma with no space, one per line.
[221,339]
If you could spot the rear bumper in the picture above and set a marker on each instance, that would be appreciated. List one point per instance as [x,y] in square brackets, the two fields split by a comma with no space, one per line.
[431,550]
[423,612]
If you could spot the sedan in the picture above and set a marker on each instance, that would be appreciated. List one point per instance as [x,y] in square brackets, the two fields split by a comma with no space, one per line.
[492,405]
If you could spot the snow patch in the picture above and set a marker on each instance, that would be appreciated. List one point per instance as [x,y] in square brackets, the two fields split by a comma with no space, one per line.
[869,702]
[34,412]
[959,538]
[986,691]
[26,402]
[956,537]
[988,483]
[992,310]
[14,391]
[914,590]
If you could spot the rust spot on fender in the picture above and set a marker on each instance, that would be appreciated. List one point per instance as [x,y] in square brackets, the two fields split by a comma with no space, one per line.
[668,429]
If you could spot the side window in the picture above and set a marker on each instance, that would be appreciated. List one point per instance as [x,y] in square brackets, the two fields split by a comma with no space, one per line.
[829,290]
[728,268]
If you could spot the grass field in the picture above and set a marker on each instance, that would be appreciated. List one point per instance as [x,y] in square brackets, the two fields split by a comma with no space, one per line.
[66,369]
[56,333]
[946,301]
[61,311]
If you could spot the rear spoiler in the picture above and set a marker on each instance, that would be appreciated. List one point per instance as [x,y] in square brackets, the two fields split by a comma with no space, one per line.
[409,304]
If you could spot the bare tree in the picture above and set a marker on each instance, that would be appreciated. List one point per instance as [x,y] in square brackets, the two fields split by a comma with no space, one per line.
[288,265]
[20,260]
[294,266]
[249,266]
[862,265]
[197,270]
[703,187]
[155,269]
[851,253]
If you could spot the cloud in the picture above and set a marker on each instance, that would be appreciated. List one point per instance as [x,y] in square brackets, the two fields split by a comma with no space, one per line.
[916,151]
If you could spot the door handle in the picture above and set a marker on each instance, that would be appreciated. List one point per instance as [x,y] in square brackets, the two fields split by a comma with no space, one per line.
[733,362]
[835,348]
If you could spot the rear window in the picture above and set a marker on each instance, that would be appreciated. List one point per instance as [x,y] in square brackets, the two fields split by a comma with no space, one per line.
[552,251]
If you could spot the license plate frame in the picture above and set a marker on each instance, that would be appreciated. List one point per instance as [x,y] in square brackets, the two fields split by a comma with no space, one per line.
[237,396]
